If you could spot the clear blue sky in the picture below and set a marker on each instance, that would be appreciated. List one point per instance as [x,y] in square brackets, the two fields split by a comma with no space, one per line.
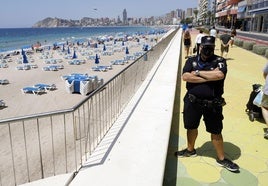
[24,13]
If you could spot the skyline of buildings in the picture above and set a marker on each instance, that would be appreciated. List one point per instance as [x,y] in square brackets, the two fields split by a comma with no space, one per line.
[247,15]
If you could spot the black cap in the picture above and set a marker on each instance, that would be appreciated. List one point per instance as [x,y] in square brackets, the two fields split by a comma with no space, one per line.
[208,40]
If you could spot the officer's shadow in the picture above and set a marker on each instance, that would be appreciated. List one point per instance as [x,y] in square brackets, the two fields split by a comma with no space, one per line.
[229,59]
[231,151]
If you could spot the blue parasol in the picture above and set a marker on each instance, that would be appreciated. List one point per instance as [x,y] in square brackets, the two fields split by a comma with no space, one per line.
[97,61]
[22,52]
[127,52]
[74,55]
[25,60]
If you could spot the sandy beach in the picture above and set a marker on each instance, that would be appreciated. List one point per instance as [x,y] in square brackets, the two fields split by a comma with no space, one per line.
[20,104]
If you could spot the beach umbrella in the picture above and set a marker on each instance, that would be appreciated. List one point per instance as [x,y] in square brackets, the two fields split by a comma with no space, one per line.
[74,55]
[97,61]
[22,52]
[127,52]
[25,60]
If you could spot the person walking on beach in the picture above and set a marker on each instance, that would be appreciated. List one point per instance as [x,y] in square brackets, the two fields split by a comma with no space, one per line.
[225,42]
[187,43]
[198,40]
[204,76]
[264,102]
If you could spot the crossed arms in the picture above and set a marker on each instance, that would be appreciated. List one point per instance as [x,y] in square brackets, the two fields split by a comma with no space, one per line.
[203,76]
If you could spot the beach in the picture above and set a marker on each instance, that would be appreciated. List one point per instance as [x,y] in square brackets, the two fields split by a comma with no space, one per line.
[20,104]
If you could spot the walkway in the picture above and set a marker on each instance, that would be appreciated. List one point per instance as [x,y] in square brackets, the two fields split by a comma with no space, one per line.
[244,142]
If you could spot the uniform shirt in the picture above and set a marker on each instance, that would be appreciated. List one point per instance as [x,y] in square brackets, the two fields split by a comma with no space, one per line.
[206,90]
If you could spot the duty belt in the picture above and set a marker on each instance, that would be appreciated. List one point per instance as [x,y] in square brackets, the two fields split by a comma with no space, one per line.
[206,102]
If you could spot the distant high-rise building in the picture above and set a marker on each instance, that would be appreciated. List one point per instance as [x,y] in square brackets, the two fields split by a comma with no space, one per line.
[189,12]
[118,19]
[180,13]
[125,22]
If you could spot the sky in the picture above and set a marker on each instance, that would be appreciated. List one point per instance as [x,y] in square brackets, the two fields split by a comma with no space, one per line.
[25,13]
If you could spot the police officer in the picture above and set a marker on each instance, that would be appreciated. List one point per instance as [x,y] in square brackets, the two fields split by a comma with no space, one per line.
[204,75]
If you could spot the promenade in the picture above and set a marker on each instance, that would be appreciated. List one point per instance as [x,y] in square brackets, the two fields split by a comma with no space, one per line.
[243,139]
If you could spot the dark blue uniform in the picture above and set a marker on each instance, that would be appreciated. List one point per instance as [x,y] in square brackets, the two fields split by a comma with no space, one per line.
[204,99]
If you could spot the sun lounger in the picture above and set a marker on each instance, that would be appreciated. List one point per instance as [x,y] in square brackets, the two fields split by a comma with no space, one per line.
[45,86]
[2,103]
[45,69]
[33,90]
[99,68]
[4,81]
[119,62]
[24,67]
[3,65]
[102,68]
[33,66]
[53,67]
[76,62]
[129,57]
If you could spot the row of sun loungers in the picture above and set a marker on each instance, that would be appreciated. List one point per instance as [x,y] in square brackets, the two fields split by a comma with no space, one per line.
[53,67]
[76,62]
[4,81]
[102,68]
[53,61]
[119,62]
[26,67]
[38,89]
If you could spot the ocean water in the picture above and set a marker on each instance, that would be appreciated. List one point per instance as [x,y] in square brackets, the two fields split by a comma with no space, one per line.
[18,38]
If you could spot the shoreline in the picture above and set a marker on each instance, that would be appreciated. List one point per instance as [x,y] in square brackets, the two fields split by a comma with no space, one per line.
[49,38]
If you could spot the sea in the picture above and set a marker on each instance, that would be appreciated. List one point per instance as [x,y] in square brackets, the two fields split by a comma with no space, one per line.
[22,38]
